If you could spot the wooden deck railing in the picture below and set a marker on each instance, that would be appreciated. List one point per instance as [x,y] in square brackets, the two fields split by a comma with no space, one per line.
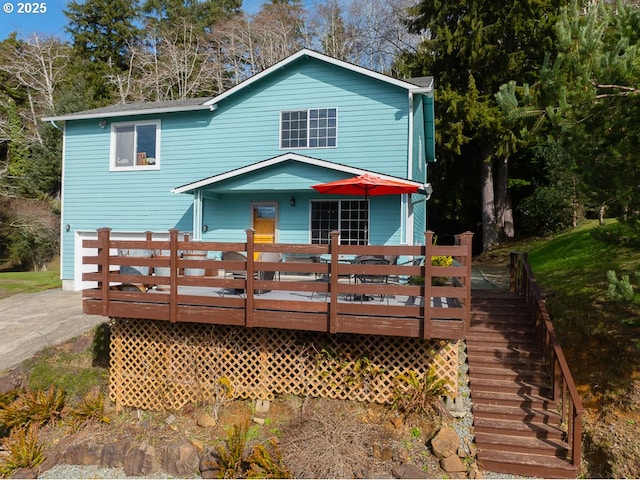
[564,390]
[315,289]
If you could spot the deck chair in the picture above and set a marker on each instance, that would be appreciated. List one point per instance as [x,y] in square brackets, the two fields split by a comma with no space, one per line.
[268,275]
[368,278]
[239,274]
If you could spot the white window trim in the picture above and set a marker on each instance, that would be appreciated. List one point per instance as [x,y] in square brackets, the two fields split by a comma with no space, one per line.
[112,149]
[280,147]
[339,200]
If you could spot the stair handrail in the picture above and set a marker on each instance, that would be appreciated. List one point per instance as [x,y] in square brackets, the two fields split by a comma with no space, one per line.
[523,283]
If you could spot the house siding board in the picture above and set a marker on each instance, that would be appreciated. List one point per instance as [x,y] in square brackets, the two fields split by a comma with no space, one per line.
[362,138]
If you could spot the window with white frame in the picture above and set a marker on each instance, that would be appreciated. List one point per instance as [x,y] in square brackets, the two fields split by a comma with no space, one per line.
[350,217]
[312,128]
[135,145]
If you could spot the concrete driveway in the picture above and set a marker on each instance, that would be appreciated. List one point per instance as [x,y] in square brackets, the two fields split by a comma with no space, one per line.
[31,321]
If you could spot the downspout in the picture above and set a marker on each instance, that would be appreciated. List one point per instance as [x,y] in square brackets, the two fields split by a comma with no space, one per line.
[197,214]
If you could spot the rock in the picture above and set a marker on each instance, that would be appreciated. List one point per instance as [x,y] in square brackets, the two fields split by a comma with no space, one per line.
[452,464]
[209,467]
[82,344]
[262,406]
[445,443]
[52,457]
[170,419]
[397,421]
[113,454]
[408,470]
[258,420]
[181,460]
[386,454]
[199,444]
[380,475]
[83,454]
[133,462]
[11,382]
[206,421]
[141,461]
[404,455]
[455,406]
[25,473]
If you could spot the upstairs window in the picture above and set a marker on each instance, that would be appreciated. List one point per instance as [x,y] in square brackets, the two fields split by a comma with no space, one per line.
[135,145]
[350,217]
[313,128]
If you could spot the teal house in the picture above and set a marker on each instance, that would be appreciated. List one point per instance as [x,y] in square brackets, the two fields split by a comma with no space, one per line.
[248,158]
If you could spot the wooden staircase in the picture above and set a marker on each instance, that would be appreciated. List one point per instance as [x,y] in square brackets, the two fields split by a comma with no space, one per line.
[516,421]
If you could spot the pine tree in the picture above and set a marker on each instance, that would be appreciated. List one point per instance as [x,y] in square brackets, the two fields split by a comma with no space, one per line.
[472,48]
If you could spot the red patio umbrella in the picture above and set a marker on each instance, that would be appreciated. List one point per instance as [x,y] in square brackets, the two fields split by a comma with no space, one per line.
[367,185]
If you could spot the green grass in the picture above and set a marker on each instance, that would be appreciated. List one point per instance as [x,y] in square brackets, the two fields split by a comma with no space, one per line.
[28,282]
[600,337]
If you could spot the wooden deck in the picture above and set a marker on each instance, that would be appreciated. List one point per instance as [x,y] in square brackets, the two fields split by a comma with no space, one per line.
[316,288]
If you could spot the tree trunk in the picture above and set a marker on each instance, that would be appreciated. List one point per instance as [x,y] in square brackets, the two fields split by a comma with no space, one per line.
[489,227]
[504,211]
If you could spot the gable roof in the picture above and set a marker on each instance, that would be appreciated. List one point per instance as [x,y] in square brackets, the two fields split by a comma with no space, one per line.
[418,85]
[205,182]
[305,52]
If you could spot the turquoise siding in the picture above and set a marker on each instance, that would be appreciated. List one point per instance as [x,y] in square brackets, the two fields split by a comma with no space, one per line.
[373,119]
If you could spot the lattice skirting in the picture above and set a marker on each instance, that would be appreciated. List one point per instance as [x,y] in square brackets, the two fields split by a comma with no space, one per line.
[158,365]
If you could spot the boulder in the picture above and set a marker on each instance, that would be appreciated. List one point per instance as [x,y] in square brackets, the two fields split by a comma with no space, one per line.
[445,443]
[452,464]
[408,470]
[181,460]
[206,421]
[113,454]
[141,461]
[83,454]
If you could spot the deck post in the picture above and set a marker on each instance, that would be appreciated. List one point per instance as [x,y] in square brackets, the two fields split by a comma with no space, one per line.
[465,240]
[333,281]
[173,275]
[249,292]
[427,274]
[104,268]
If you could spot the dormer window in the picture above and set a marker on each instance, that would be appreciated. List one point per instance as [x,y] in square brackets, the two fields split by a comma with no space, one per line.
[312,128]
[135,146]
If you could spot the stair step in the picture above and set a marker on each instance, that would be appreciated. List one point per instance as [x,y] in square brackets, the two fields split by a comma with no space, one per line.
[516,428]
[511,399]
[531,465]
[511,372]
[522,414]
[521,363]
[498,338]
[504,350]
[510,386]
[516,423]
[518,444]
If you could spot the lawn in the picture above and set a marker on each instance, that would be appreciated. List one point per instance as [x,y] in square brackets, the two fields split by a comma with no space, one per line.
[28,282]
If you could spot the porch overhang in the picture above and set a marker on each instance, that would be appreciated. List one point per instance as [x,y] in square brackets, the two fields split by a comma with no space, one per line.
[287,157]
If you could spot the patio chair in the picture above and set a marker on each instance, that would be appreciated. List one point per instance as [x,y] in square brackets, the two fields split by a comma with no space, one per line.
[238,274]
[367,278]
[268,275]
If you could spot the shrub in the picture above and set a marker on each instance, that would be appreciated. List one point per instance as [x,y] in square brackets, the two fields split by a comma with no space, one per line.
[547,211]
[33,407]
[266,461]
[420,396]
[23,450]
[230,452]
[89,410]
[620,289]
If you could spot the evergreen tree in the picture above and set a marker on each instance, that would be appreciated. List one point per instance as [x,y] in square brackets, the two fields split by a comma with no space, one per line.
[102,32]
[472,48]
[587,103]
